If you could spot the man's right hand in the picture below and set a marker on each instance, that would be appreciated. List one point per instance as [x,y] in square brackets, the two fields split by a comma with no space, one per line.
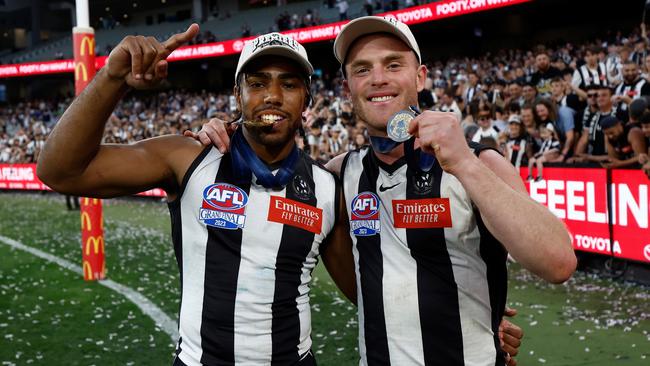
[141,61]
[217,132]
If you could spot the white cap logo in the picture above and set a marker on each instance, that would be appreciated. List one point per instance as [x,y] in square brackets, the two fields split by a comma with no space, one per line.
[274,39]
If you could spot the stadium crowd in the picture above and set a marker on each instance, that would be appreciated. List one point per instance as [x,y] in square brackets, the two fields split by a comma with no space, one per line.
[568,104]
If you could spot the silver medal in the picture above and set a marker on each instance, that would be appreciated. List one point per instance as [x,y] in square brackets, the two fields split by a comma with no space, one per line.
[398,125]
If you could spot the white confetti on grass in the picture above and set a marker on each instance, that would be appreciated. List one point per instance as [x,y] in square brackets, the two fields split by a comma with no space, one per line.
[161,319]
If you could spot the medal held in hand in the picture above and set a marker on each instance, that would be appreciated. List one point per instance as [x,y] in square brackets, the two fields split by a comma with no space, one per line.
[398,125]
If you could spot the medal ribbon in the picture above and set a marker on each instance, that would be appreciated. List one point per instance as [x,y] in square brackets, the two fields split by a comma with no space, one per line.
[245,162]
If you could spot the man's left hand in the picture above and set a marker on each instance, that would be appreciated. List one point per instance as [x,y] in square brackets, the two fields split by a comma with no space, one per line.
[440,133]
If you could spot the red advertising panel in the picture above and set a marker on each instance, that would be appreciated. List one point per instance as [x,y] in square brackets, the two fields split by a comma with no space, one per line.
[578,196]
[413,15]
[23,177]
[631,211]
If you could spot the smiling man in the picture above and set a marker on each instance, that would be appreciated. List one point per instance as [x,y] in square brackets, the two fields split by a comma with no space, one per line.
[431,274]
[247,226]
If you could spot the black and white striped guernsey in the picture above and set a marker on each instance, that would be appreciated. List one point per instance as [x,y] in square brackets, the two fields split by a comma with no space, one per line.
[245,254]
[431,279]
[584,76]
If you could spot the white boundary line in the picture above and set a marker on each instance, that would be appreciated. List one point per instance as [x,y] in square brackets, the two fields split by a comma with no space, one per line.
[161,319]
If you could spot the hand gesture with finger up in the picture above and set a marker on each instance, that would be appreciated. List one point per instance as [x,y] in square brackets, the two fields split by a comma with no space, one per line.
[141,61]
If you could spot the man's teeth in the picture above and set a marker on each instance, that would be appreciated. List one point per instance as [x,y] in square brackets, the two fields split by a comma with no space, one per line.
[270,117]
[381,99]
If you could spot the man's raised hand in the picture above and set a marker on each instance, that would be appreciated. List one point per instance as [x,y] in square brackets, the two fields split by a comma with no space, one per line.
[142,61]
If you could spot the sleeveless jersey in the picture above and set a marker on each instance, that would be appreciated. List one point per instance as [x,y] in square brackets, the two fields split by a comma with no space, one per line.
[245,254]
[431,279]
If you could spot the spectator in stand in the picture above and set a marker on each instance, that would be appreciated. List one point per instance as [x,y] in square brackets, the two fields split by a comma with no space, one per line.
[486,129]
[335,144]
[472,88]
[632,87]
[590,127]
[343,7]
[515,93]
[546,112]
[541,79]
[592,72]
[529,94]
[625,143]
[640,52]
[646,68]
[548,152]
[448,104]
[426,96]
[559,95]
[644,159]
[368,7]
[245,30]
[517,147]
[596,148]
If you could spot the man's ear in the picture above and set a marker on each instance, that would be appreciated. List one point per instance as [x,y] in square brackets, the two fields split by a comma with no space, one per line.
[346,86]
[237,92]
[421,77]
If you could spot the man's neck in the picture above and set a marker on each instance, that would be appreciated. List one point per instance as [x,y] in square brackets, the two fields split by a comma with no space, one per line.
[271,155]
[391,156]
[607,110]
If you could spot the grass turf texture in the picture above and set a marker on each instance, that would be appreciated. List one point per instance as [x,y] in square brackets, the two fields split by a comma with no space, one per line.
[51,316]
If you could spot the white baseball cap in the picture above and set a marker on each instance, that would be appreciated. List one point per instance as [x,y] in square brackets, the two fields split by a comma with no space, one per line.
[275,44]
[373,24]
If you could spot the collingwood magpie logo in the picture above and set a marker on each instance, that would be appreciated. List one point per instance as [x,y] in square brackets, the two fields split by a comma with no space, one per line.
[301,188]
[275,39]
[423,183]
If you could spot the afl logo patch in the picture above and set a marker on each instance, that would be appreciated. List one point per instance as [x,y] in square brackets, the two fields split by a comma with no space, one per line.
[364,214]
[301,188]
[223,206]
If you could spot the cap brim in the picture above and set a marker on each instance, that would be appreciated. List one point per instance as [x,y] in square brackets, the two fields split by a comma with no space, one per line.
[282,52]
[361,27]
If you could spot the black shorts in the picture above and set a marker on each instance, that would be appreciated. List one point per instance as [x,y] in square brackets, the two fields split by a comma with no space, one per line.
[306,360]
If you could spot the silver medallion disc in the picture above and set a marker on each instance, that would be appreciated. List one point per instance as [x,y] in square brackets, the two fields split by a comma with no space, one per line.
[398,125]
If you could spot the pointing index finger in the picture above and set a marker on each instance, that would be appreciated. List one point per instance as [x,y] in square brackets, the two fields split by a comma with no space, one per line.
[179,39]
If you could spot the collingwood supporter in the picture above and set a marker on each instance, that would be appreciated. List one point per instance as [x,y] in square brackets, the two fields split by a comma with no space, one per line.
[596,150]
[335,143]
[472,88]
[632,87]
[590,128]
[592,72]
[549,152]
[518,147]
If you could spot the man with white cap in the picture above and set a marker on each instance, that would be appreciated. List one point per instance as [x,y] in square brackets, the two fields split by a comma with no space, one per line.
[247,226]
[430,260]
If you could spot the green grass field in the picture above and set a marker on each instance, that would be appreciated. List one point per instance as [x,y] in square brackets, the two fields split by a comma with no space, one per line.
[50,316]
